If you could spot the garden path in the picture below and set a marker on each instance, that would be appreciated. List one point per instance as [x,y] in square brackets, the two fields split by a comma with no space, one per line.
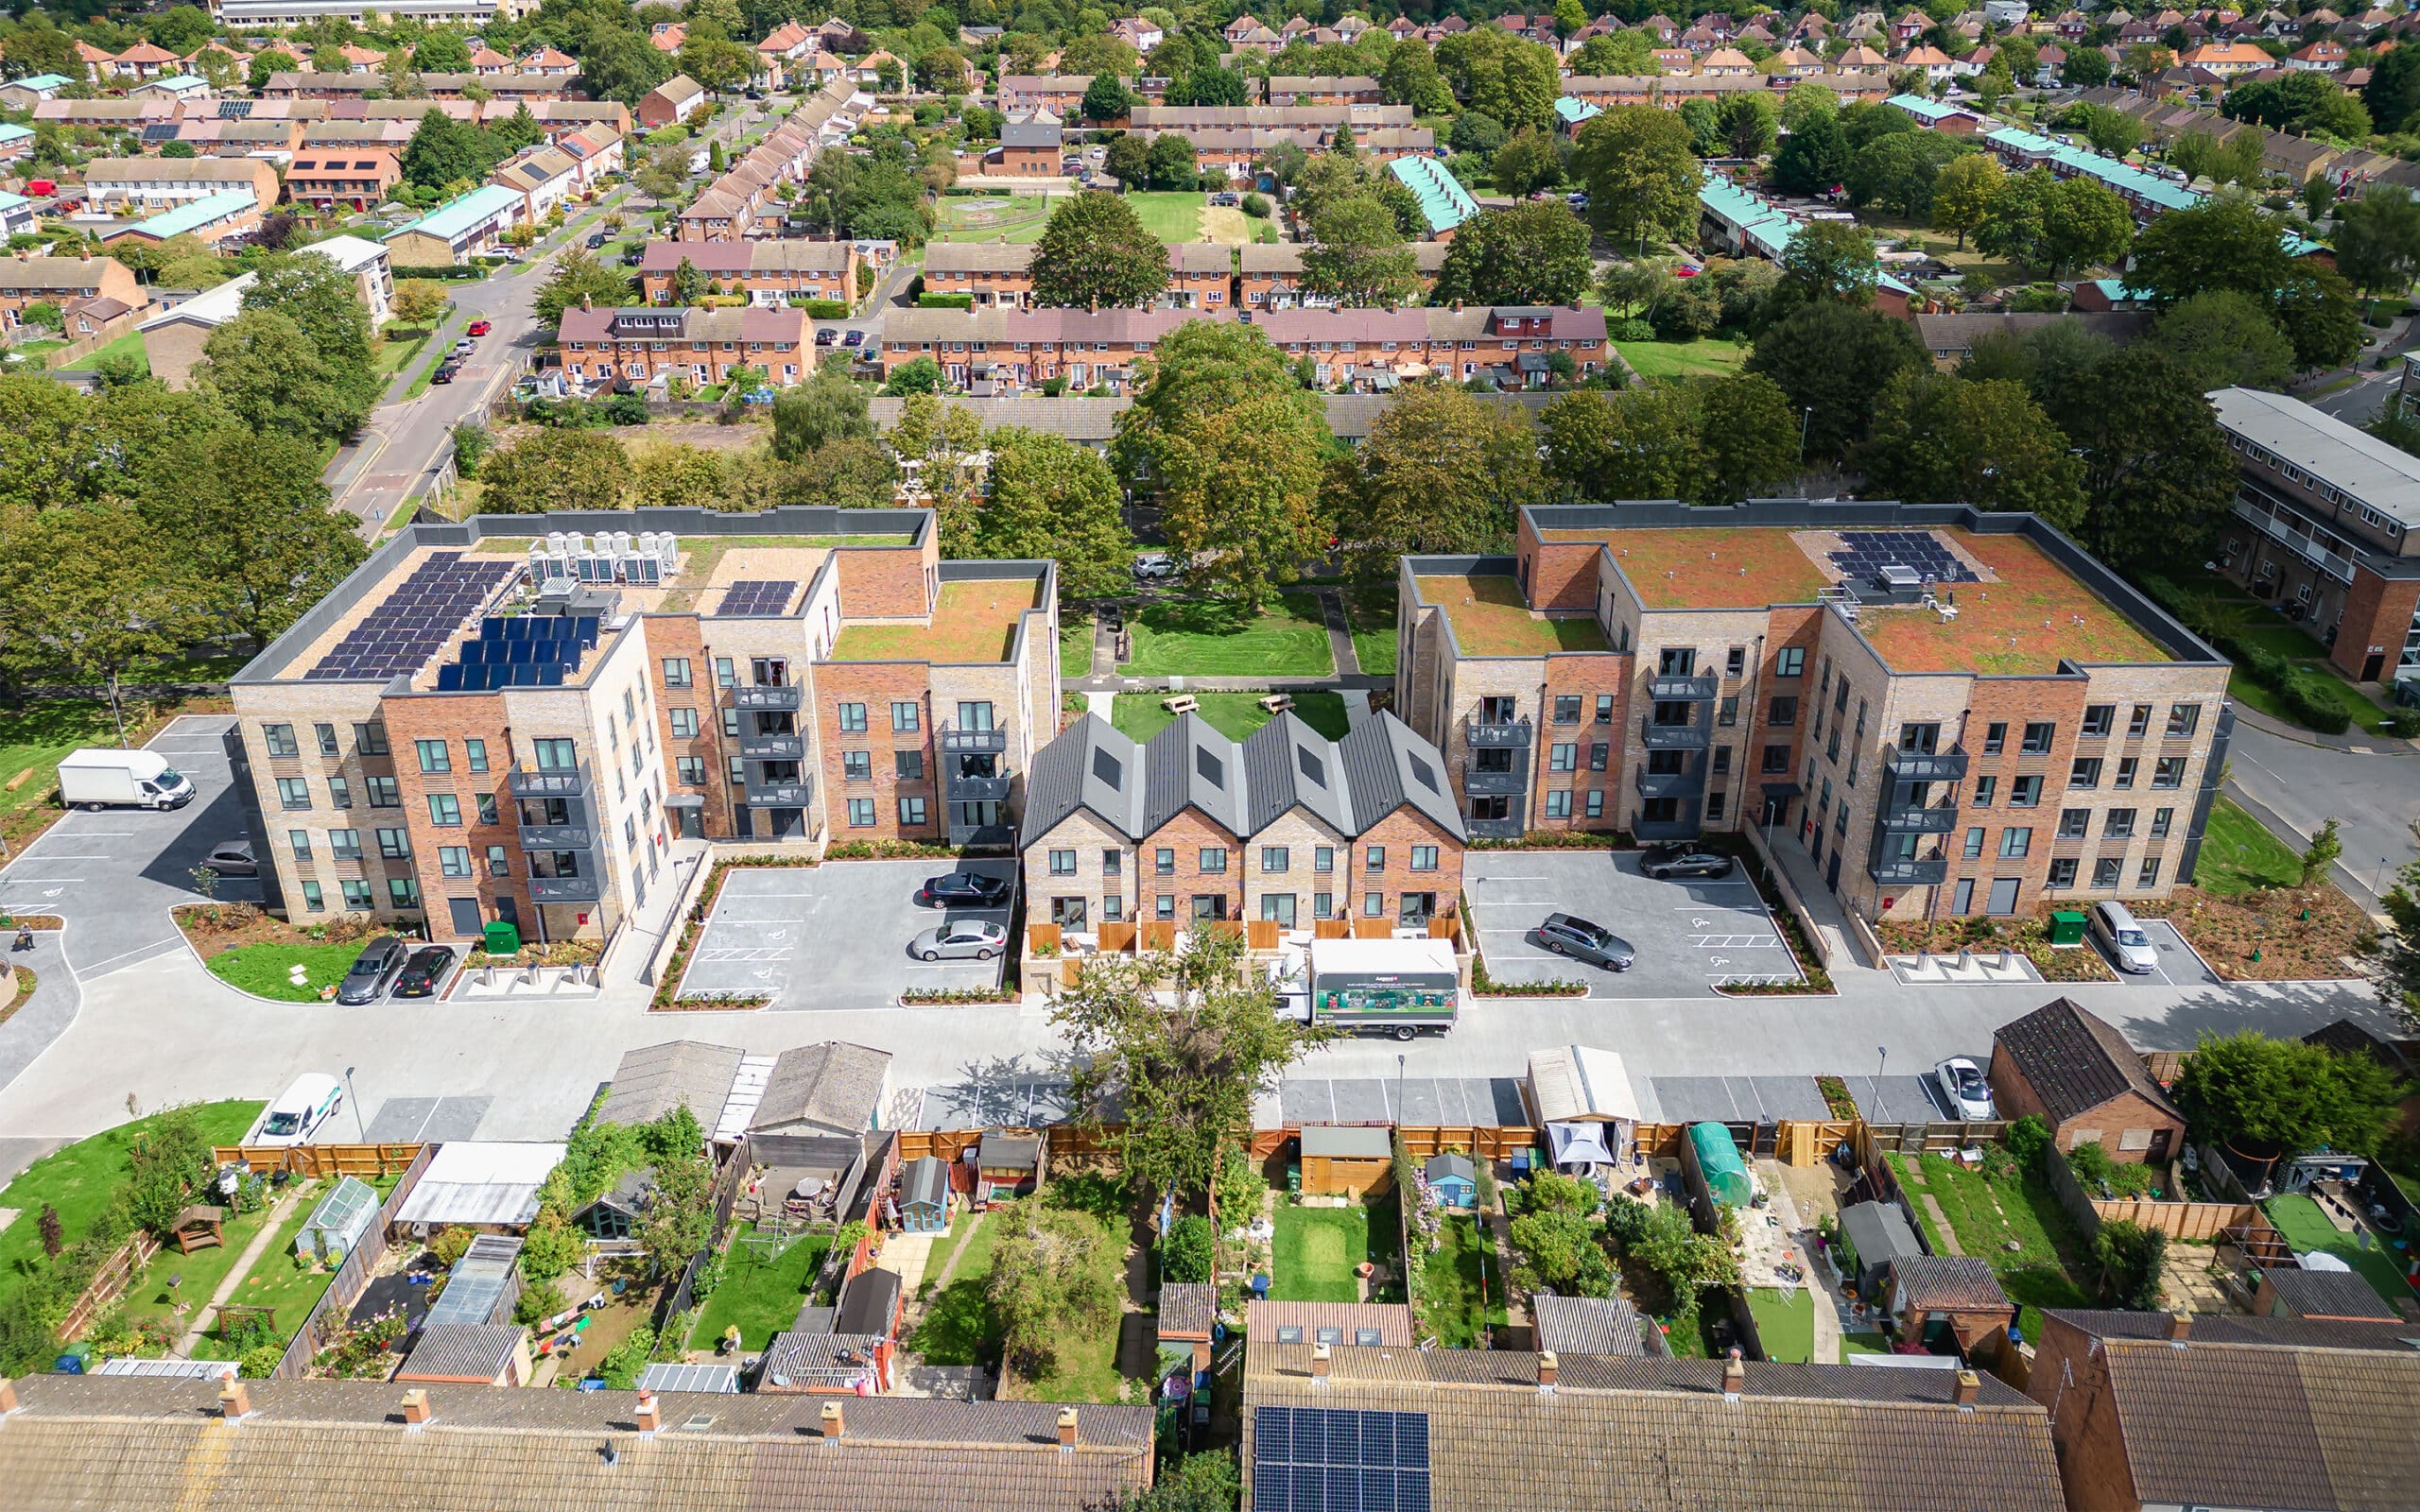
[1516,1311]
[236,1273]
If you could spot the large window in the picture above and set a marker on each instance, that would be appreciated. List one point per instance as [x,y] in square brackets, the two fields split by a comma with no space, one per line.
[293,793]
[280,739]
[433,757]
[558,755]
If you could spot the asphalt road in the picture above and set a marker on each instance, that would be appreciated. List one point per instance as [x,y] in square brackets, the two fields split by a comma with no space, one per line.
[2374,796]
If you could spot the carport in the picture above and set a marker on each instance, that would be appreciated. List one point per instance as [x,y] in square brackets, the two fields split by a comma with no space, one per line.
[1691,935]
[833,937]
[1415,1102]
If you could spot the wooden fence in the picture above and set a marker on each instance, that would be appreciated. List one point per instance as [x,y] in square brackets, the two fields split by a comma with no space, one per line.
[2199,1221]
[320,1160]
[108,1284]
[328,1315]
[1924,1138]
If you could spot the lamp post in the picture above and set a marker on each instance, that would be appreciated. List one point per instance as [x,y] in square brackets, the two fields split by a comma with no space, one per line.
[1882,1059]
[1806,417]
[361,1131]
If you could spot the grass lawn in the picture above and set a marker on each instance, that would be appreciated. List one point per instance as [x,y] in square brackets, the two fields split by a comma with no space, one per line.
[1085,1369]
[1987,1215]
[1170,215]
[1140,716]
[275,1280]
[2307,1229]
[957,1328]
[1075,646]
[1452,1282]
[79,1178]
[129,345]
[399,344]
[1316,1249]
[1863,1343]
[1707,357]
[1370,612]
[266,970]
[32,741]
[992,217]
[762,1299]
[2240,854]
[1786,1328]
[1198,639]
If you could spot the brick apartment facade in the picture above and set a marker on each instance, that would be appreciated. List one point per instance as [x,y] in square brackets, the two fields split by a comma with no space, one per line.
[1632,669]
[1239,150]
[26,278]
[1270,274]
[841,685]
[772,273]
[325,181]
[644,342]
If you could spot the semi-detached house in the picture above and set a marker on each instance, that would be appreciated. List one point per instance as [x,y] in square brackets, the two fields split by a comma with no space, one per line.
[770,273]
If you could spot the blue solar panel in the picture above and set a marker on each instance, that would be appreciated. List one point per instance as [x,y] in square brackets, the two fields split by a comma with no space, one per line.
[1334,1459]
[1868,552]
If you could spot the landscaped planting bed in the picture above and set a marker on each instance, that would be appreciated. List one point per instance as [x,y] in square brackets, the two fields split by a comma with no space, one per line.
[2298,935]
[2029,937]
[253,953]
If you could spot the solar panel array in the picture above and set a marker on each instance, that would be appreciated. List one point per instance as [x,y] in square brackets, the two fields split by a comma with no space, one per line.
[234,109]
[757,595]
[160,131]
[1334,1459]
[524,651]
[424,609]
[1870,551]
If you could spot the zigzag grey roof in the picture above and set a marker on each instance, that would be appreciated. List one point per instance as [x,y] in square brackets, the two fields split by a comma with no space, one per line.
[1386,767]
[1090,765]
[1190,762]
[1286,763]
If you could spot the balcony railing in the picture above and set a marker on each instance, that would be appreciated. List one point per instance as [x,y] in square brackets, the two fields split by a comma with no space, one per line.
[959,741]
[524,784]
[556,837]
[762,697]
[564,889]
[1687,782]
[1486,736]
[1677,688]
[780,794]
[1912,818]
[981,835]
[1493,829]
[1491,784]
[1684,828]
[1674,737]
[1924,766]
[977,789]
[774,747]
[1916,873]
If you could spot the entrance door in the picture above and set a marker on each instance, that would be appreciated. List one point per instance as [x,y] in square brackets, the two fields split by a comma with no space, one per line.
[2003,899]
[693,824]
[466,915]
[1832,872]
[2371,666]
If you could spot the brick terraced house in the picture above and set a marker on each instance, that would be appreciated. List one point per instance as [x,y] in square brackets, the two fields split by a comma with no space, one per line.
[514,717]
[326,180]
[644,342]
[993,273]
[772,273]
[1952,713]
[1270,274]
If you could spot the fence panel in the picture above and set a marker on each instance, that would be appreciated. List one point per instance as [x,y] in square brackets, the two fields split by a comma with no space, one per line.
[108,1284]
[1115,936]
[320,1160]
[1262,934]
[2082,1210]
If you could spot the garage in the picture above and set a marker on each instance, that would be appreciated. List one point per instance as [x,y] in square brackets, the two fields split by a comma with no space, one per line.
[833,937]
[1691,935]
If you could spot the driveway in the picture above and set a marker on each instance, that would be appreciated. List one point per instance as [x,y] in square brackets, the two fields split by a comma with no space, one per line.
[1689,934]
[833,937]
[2178,964]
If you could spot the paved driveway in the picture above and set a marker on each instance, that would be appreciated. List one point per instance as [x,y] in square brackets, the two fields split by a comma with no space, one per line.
[832,937]
[2178,964]
[1689,934]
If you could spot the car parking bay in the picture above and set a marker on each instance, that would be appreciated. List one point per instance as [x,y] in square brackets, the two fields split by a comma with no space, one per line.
[833,937]
[1690,934]
[2179,965]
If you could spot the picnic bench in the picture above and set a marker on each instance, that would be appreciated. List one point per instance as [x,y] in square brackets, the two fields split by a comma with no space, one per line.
[199,1228]
[1183,703]
[1277,703]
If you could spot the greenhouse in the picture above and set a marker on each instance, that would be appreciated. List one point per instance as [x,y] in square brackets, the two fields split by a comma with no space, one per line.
[336,1225]
[1719,1158]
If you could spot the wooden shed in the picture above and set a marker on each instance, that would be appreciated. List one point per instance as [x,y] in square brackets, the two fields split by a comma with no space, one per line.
[923,1197]
[1453,1178]
[1950,1302]
[1007,1165]
[1346,1159]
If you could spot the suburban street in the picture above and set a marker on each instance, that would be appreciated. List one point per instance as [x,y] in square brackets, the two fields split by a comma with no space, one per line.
[2374,796]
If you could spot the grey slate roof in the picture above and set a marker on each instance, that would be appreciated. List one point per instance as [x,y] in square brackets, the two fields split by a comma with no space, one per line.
[2327,1294]
[832,1087]
[1089,765]
[2075,1062]
[1586,1325]
[1286,763]
[1450,1164]
[1386,767]
[654,1080]
[461,1351]
[1191,763]
[2393,1335]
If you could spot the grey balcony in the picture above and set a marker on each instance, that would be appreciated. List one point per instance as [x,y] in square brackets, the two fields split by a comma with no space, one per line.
[1924,767]
[773,748]
[1684,828]
[564,889]
[556,837]
[1493,829]
[784,696]
[1482,736]
[1675,737]
[1491,784]
[1912,818]
[524,784]
[1668,688]
[978,789]
[959,741]
[780,794]
[1918,873]
[981,835]
[1687,782]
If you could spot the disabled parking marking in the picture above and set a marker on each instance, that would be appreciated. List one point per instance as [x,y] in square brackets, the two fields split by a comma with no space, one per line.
[1735,942]
[745,954]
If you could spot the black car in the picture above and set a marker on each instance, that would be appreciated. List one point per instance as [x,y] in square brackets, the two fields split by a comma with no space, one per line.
[445,373]
[1566,935]
[374,971]
[424,972]
[964,889]
[1680,858]
[596,239]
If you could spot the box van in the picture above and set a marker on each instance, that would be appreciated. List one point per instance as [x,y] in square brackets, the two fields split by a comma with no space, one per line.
[1397,986]
[298,1112]
[94,778]
[2128,946]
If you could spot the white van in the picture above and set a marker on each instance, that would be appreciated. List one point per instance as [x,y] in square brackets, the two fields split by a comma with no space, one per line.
[2128,946]
[297,1115]
[91,779]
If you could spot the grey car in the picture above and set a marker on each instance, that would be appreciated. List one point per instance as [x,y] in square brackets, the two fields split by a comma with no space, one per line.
[374,971]
[233,858]
[958,940]
[1683,859]
[1566,935]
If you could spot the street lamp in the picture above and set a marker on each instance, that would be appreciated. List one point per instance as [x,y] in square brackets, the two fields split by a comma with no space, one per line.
[361,1131]
[1806,417]
[1882,1059]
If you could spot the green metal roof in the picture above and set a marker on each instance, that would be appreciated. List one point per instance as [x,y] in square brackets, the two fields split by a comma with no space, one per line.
[1443,201]
[205,211]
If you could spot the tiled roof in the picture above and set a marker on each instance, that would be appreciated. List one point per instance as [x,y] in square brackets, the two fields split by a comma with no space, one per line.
[1394,1321]
[2075,1062]
[654,1080]
[1586,1325]
[834,1087]
[1947,1284]
[2395,1337]
[978,257]
[1188,1309]
[2327,1294]
[630,322]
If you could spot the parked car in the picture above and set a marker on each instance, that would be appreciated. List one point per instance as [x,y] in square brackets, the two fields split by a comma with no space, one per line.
[854,338]
[233,858]
[964,889]
[1962,1085]
[1683,858]
[424,972]
[298,1112]
[374,971]
[2123,938]
[1593,944]
[1154,567]
[826,337]
[596,239]
[960,939]
[445,373]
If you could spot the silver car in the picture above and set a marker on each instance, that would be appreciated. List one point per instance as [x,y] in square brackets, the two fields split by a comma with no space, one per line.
[960,939]
[2123,938]
[1963,1084]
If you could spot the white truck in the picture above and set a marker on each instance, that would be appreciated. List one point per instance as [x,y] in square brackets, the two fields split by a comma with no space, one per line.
[97,779]
[1397,986]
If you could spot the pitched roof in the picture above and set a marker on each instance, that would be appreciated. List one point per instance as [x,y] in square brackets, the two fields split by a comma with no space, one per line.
[1188,1309]
[1386,767]
[1586,1325]
[654,1080]
[1947,1284]
[1191,765]
[2075,1062]
[2327,1294]
[834,1086]
[461,1351]
[2396,1336]
[1342,1321]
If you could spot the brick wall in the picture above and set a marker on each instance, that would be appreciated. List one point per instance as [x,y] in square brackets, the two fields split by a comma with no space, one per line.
[2071,1378]
[1302,834]
[305,707]
[682,636]
[1089,837]
[1186,834]
[1398,833]
[2377,615]
[1585,676]
[1558,573]
[455,720]
[877,685]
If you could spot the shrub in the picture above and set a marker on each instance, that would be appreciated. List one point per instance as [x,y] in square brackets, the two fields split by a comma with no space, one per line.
[1257,206]
[260,1363]
[450,1245]
[708,1276]
[2130,1259]
[1186,1250]
[946,302]
[1633,329]
[2027,1139]
[538,1303]
[2090,1164]
[826,309]
[623,1363]
[2403,724]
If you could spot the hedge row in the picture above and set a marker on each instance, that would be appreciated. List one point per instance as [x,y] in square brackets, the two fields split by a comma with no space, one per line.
[2304,693]
[946,302]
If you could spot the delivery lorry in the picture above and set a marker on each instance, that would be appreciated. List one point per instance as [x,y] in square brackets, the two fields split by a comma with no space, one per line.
[1397,986]
[97,779]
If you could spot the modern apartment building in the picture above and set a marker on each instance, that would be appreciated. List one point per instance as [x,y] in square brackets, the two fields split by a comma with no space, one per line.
[516,717]
[1952,711]
[2327,526]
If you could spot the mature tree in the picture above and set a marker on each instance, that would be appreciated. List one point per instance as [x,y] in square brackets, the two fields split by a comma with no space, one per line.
[1186,1068]
[1360,257]
[943,71]
[1985,443]
[943,443]
[89,593]
[520,129]
[51,445]
[1476,133]
[1129,162]
[1749,438]
[442,52]
[1561,1252]
[1896,174]
[1748,123]
[2317,308]
[247,513]
[1867,121]
[1106,99]
[1056,1273]
[1048,497]
[2225,340]
[2302,102]
[443,152]
[917,375]
[179,28]
[2378,240]
[2086,68]
[2249,1090]
[1806,102]
[1094,253]
[1411,78]
[1531,161]
[2084,224]
[1835,360]
[2393,94]
[1621,53]
[854,473]
[270,374]
[2194,154]
[1814,158]
[2112,132]
[1240,485]
[1627,288]
[1532,253]
[1171,161]
[420,301]
[1963,192]
[580,278]
[1642,444]
[2225,242]
[827,407]
[1441,472]
[2133,1262]
[553,469]
[679,1216]
[1642,177]
[2158,475]
[1501,76]
[1829,260]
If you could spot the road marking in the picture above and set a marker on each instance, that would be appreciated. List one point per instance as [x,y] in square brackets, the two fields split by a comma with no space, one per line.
[100,834]
[13,880]
[155,948]
[58,855]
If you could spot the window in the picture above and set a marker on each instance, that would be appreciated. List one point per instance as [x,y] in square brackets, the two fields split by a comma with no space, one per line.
[454,860]
[556,755]
[2074,823]
[2104,871]
[498,865]
[1274,859]
[1323,905]
[2126,767]
[340,793]
[1597,802]
[1563,757]
[1213,859]
[2139,723]
[327,735]
[738,772]
[1559,803]
[1791,662]
[1776,758]
[911,812]
[1782,710]
[906,717]
[1985,787]
[684,723]
[395,845]
[853,718]
[1322,858]
[2147,875]
[1062,863]
[1974,842]
[2037,737]
[1599,752]
[2016,841]
[908,766]
[371,739]
[724,674]
[1735,661]
[861,814]
[2063,871]
[2169,772]
[1722,761]
[1604,708]
[1165,906]
[676,672]
[1374,858]
[281,740]
[2024,792]
[1727,712]
[857,765]
[689,771]
[1840,696]
[299,841]
[345,845]
[313,900]
[1113,863]
[475,755]
[975,715]
[769,671]
[433,756]
[402,892]
[1995,738]
[1164,861]
[2099,718]
[1373,905]
[1113,908]
[2161,818]
[294,793]
[444,809]
[356,894]
[2085,772]
[1566,707]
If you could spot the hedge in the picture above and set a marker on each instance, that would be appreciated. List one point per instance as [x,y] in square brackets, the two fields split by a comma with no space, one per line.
[463,271]
[826,309]
[946,302]
[2304,693]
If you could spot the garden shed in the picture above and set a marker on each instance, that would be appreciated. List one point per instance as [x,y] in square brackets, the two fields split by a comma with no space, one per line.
[923,1197]
[1873,1235]
[617,1210]
[1582,1097]
[1718,1158]
[871,1303]
[1346,1159]
[1453,1178]
[473,1355]
[483,1284]
[1007,1165]
[1950,1302]
[672,1375]
[489,1185]
[1188,1316]
[2077,1074]
[336,1227]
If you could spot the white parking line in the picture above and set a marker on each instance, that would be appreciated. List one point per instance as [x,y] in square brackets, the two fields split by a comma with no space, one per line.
[95,834]
[55,855]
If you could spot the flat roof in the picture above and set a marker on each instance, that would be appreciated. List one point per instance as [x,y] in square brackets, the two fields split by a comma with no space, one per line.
[2338,455]
[1490,617]
[975,621]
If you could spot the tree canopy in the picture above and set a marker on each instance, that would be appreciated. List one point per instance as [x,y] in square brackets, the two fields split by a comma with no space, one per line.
[1531,253]
[1094,253]
[2245,1087]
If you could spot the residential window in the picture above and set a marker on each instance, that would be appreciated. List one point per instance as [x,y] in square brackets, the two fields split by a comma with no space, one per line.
[1062,863]
[299,841]
[1791,662]
[2106,870]
[1728,712]
[1374,858]
[395,845]
[498,865]
[356,893]
[433,756]
[1995,738]
[738,772]
[2037,737]
[908,766]
[1974,842]
[1274,859]
[2119,824]
[314,901]
[2085,773]
[1566,707]
[1563,757]
[2016,841]
[1596,803]
[557,754]
[857,765]
[402,892]
[1164,906]
[2074,823]
[1373,905]
[485,803]
[684,723]
[1113,863]
[2099,718]
[1164,861]
[345,845]
[1722,761]
[2126,768]
[975,715]
[1713,805]
[770,671]
[327,734]
[730,724]
[1735,661]
[1213,859]
[475,755]
[293,793]
[2161,818]
[1559,803]
[1782,710]
[2063,871]
[1776,758]
[2169,772]
[340,793]
[853,718]
[444,809]
[690,771]
[1323,905]
[371,739]
[1599,752]
[1113,908]
[2147,875]
[2139,723]
[911,812]
[725,675]
[454,860]
[906,717]
[1322,858]
[1604,708]
[676,672]
[861,814]
[1984,789]
[281,740]
[2024,792]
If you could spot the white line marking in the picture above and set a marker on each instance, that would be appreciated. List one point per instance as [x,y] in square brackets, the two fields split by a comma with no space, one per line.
[56,855]
[155,946]
[98,835]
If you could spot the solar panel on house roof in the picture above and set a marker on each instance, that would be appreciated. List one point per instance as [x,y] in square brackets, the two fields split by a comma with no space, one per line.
[1334,1459]
[404,629]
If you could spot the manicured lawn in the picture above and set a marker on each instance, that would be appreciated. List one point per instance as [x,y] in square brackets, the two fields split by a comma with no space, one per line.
[1705,357]
[1316,1249]
[1452,1282]
[958,1329]
[762,1299]
[33,739]
[266,969]
[2240,854]
[1370,612]
[1987,1216]
[1173,217]
[1075,646]
[2307,1229]
[129,345]
[1015,218]
[1786,1328]
[1863,1343]
[1140,716]
[1197,639]
[399,344]
[78,1179]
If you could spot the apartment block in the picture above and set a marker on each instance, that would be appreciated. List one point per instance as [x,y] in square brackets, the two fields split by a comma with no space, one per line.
[326,180]
[1270,274]
[770,273]
[646,342]
[1952,713]
[141,186]
[517,717]
[2326,525]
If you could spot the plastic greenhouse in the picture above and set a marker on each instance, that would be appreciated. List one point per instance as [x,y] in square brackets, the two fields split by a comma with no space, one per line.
[336,1225]
[1725,1176]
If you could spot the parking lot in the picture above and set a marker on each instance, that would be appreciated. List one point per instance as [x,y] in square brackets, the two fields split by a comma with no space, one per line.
[2178,964]
[833,937]
[1690,934]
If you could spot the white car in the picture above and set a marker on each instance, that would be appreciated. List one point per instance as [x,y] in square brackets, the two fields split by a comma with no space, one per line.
[298,1112]
[1962,1085]
[2128,946]
[960,939]
[1154,567]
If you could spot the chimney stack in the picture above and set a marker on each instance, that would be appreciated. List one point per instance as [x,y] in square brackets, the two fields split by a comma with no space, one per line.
[1320,1362]
[1734,1375]
[1066,1428]
[833,1427]
[1548,1367]
[8,1401]
[1968,1388]
[234,1400]
[416,1406]
[2180,1327]
[646,1416]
